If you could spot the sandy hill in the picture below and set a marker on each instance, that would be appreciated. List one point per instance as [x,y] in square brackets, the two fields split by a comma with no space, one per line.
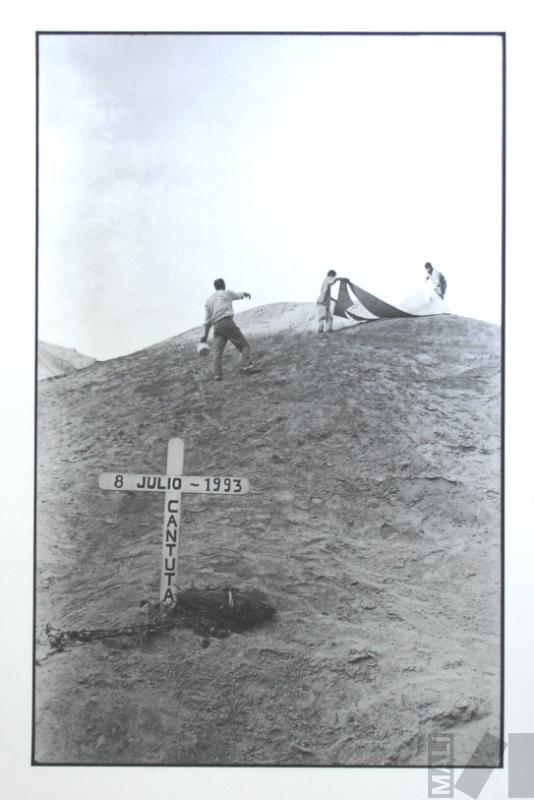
[373,526]
[53,360]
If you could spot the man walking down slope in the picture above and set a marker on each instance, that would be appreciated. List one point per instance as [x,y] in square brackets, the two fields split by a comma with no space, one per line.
[220,315]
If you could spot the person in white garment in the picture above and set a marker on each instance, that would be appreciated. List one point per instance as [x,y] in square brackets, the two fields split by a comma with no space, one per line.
[436,280]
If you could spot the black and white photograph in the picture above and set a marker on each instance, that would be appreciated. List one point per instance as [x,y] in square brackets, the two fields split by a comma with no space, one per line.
[268,524]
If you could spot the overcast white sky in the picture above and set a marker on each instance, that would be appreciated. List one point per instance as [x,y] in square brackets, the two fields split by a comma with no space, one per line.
[168,161]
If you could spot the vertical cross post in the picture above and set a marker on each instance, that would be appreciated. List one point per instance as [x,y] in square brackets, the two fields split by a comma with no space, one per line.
[171,524]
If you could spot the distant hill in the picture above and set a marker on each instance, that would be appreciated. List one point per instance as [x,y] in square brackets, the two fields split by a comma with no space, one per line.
[268,319]
[55,360]
[372,525]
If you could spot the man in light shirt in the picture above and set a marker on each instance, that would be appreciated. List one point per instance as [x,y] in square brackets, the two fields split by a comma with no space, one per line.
[220,315]
[323,302]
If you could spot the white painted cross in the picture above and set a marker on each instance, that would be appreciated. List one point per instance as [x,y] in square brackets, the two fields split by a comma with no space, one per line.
[174,484]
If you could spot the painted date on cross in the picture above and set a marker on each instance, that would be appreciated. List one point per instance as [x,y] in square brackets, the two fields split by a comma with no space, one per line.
[233,485]
[196,484]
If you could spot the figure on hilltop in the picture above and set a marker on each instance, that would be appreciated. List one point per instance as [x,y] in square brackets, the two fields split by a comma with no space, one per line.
[326,318]
[436,279]
[220,315]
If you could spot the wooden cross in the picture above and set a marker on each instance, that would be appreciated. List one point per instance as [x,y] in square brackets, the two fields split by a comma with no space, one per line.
[174,484]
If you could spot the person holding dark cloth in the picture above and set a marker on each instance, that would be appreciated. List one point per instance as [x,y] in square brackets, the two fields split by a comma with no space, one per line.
[220,316]
[323,302]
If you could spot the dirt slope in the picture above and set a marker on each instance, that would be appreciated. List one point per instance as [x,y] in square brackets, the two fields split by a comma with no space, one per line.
[373,526]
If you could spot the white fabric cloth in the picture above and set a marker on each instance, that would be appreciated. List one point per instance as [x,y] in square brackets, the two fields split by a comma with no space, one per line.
[434,279]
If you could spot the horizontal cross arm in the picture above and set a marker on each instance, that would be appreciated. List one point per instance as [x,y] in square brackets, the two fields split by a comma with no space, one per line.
[194,484]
